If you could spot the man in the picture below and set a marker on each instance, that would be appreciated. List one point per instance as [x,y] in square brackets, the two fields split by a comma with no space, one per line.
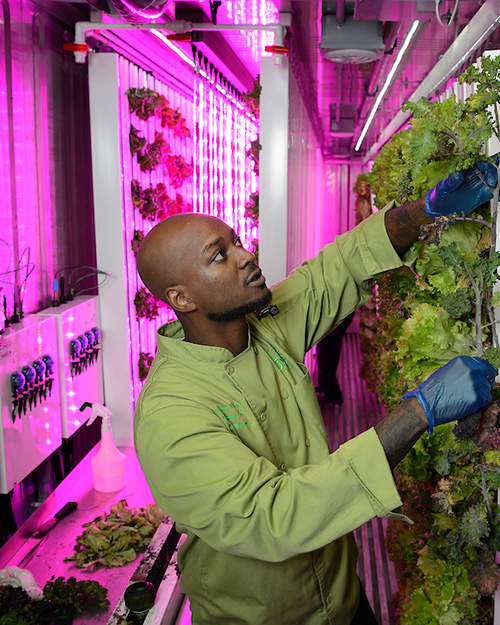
[327,361]
[229,432]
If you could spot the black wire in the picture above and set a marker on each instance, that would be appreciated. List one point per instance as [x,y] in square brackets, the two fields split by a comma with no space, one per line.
[89,275]
[10,260]
[89,288]
[214,5]
[95,269]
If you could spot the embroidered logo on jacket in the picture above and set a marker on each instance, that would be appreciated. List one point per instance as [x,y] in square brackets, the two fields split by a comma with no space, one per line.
[278,359]
[232,415]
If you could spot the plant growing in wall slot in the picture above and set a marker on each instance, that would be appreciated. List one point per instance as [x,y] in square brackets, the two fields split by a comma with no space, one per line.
[137,143]
[172,118]
[440,305]
[137,239]
[144,102]
[253,153]
[155,204]
[152,154]
[178,170]
[146,304]
[252,98]
[252,208]
[144,365]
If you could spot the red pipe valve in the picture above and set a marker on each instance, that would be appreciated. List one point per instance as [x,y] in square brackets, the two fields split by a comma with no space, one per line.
[278,49]
[76,47]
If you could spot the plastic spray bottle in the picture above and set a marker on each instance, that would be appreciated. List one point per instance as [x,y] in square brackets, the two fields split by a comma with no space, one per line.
[108,463]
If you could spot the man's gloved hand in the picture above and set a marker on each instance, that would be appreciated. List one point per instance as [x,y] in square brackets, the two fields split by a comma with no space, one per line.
[454,391]
[462,191]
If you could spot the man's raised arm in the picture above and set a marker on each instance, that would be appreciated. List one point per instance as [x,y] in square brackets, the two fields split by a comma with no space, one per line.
[461,193]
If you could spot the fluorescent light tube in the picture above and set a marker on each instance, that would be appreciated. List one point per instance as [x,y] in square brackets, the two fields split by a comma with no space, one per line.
[390,75]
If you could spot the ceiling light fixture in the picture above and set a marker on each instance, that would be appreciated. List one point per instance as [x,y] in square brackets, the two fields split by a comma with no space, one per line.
[173,47]
[404,46]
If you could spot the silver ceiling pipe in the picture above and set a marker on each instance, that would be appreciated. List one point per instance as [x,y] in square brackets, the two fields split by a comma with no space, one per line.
[480,27]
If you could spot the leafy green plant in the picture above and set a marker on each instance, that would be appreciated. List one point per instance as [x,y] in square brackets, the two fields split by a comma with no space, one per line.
[146,103]
[114,539]
[146,304]
[63,600]
[144,365]
[440,305]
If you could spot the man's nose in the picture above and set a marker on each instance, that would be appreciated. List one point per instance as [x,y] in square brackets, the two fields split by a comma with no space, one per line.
[245,257]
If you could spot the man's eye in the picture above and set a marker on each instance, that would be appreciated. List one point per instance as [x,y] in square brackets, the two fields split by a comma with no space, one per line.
[219,256]
[238,242]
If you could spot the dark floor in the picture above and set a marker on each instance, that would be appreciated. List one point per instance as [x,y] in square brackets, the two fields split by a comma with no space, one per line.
[360,411]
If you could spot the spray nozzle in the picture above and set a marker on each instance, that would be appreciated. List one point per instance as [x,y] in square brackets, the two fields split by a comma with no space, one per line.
[98,411]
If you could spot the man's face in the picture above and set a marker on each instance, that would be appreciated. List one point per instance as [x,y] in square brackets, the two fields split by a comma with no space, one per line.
[221,275]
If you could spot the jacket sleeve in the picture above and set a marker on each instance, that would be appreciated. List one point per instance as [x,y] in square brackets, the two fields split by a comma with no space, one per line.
[325,289]
[204,477]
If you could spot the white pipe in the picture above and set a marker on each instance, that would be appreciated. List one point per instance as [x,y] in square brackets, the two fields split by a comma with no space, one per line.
[473,35]
[178,26]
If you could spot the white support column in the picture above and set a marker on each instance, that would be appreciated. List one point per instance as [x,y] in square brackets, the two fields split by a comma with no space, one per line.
[109,226]
[273,169]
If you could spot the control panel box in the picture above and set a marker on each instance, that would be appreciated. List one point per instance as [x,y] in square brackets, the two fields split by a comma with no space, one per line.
[29,398]
[80,360]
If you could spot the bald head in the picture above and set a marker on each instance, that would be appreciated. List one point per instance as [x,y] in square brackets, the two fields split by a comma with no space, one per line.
[163,254]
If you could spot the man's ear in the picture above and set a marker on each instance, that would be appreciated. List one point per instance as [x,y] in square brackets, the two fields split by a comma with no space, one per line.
[179,299]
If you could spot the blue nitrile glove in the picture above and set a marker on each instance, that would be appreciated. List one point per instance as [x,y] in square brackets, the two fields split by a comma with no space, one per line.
[454,391]
[462,191]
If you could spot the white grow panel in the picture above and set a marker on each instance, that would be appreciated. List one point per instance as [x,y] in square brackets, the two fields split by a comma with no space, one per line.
[80,374]
[33,431]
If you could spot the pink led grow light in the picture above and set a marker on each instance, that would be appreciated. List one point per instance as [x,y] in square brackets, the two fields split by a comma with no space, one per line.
[223,174]
[221,132]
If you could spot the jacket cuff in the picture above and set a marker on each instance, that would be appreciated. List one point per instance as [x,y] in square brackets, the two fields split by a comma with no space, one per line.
[366,458]
[375,247]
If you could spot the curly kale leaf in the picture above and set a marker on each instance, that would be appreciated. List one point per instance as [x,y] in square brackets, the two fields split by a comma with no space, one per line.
[450,255]
[86,596]
[492,355]
[457,304]
[12,598]
[474,526]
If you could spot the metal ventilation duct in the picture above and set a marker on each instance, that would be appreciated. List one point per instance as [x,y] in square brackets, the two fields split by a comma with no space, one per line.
[352,41]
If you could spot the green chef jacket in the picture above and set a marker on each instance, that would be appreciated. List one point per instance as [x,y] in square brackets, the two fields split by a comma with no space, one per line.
[235,451]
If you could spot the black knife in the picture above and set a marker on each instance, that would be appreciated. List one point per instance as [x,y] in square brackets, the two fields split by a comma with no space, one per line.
[26,552]
[48,525]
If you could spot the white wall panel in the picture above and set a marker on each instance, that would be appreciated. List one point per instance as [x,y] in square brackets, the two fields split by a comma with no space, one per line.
[305,174]
[273,233]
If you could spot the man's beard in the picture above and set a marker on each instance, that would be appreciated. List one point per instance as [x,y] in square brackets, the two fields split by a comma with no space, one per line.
[246,309]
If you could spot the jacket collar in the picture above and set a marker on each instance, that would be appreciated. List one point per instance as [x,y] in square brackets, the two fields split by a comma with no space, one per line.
[171,344]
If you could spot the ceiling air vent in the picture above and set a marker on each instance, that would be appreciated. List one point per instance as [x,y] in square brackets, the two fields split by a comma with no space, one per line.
[353,41]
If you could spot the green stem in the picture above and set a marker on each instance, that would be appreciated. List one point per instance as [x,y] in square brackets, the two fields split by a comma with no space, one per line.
[489,310]
[484,489]
[479,221]
[478,304]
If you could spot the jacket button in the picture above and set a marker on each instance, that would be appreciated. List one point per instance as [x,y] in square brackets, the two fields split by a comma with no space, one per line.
[230,370]
[255,350]
[263,417]
[284,467]
[308,442]
[284,394]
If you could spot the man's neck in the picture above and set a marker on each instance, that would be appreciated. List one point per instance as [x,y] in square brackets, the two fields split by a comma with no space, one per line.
[231,335]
